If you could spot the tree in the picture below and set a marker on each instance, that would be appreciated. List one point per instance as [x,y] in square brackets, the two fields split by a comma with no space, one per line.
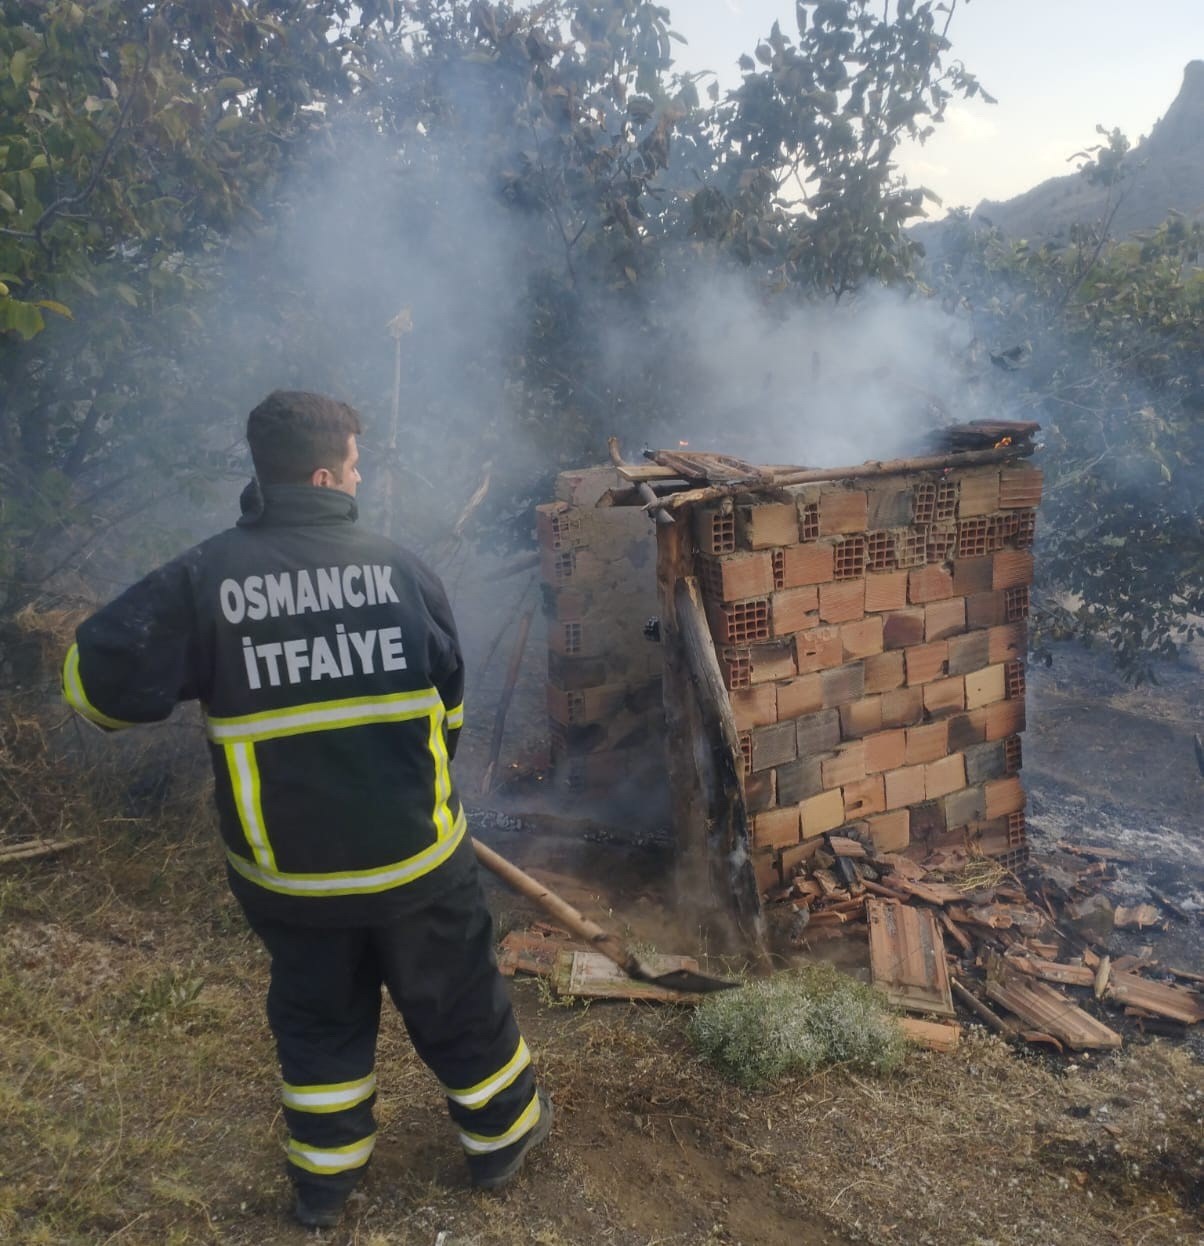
[1101,341]
[536,180]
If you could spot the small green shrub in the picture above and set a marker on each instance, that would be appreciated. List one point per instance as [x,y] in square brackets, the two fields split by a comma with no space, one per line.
[165,999]
[796,1022]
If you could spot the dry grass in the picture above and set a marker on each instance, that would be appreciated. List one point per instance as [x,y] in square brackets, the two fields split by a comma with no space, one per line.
[138,1087]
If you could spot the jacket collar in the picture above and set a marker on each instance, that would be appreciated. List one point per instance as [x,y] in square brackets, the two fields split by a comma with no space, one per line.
[294,505]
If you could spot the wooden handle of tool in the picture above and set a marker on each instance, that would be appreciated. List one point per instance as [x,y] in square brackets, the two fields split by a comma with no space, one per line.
[608,944]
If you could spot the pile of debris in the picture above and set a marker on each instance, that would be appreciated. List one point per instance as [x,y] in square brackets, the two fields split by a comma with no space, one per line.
[1034,945]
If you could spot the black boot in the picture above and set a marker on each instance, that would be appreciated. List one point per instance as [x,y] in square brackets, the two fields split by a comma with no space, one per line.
[492,1172]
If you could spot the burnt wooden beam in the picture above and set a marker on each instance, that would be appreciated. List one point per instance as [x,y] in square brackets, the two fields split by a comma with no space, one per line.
[721,765]
[863,471]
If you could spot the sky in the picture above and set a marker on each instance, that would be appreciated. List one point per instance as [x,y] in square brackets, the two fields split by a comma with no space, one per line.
[1057,68]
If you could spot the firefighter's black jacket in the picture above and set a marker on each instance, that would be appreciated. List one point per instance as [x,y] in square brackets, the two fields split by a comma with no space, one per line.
[328,668]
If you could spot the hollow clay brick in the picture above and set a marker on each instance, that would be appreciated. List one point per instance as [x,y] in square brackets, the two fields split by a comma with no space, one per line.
[740,576]
[846,766]
[966,730]
[864,797]
[986,609]
[979,493]
[1007,643]
[843,684]
[972,575]
[883,671]
[903,628]
[945,696]
[817,733]
[800,696]
[931,583]
[715,529]
[860,718]
[985,686]
[889,506]
[792,859]
[765,870]
[901,707]
[800,780]
[943,619]
[754,707]
[842,510]
[964,806]
[890,832]
[775,828]
[927,821]
[925,663]
[806,564]
[770,662]
[944,776]
[886,590]
[760,791]
[821,813]
[842,601]
[1004,796]
[739,623]
[861,639]
[1012,569]
[969,653]
[794,610]
[818,649]
[1019,487]
[1000,720]
[773,746]
[904,786]
[767,524]
[886,750]
[986,761]
[927,743]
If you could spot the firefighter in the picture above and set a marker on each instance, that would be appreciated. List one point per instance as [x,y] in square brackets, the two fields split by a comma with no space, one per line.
[327,664]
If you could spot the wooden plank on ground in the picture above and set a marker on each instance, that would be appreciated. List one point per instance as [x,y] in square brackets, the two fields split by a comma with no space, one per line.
[1175,1002]
[524,952]
[590,975]
[907,958]
[934,1035]
[1046,1010]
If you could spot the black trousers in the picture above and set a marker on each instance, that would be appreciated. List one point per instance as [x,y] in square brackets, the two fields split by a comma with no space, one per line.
[324,1004]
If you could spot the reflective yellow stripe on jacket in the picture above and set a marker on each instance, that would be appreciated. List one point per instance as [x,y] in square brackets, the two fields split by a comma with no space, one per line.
[238,737]
[77,698]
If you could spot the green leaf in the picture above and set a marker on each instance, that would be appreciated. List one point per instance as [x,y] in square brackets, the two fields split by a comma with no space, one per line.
[7,202]
[127,294]
[20,318]
[59,309]
[231,86]
[18,67]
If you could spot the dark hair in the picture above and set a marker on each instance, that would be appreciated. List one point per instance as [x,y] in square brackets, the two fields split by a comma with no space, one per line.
[292,433]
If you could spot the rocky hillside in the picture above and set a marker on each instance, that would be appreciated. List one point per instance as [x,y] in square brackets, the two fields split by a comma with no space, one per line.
[1167,174]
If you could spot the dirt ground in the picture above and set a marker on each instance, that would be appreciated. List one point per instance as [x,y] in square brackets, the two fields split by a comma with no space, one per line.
[138,1087]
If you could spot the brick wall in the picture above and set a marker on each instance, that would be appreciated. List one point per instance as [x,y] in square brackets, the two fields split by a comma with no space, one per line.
[873,642]
[598,567]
